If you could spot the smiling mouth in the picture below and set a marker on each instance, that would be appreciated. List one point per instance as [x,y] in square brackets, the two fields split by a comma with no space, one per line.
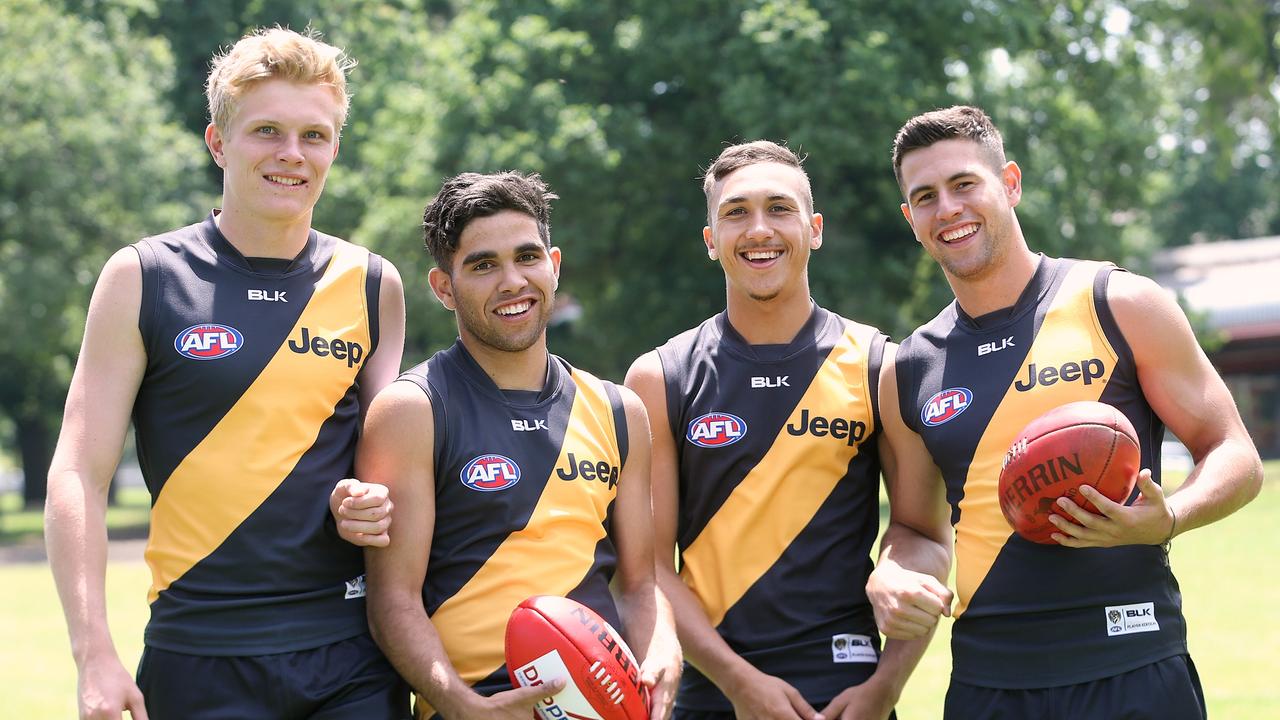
[961,233]
[760,257]
[287,181]
[514,309]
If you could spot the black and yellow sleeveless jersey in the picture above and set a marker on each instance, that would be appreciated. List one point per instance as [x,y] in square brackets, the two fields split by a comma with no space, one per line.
[1032,615]
[246,417]
[778,497]
[525,484]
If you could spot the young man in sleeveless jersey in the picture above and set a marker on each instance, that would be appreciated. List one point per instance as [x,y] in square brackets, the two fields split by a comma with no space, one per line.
[245,348]
[513,473]
[1091,626]
[766,465]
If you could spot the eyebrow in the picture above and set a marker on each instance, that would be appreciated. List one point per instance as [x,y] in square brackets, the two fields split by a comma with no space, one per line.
[920,188]
[736,199]
[479,255]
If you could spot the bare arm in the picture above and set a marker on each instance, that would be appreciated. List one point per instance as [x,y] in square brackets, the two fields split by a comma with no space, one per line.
[1186,392]
[99,402]
[751,691]
[908,587]
[362,510]
[649,625]
[396,451]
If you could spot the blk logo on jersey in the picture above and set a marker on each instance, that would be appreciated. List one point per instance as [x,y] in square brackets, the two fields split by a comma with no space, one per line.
[945,406]
[208,342]
[716,430]
[337,349]
[490,473]
[990,347]
[588,470]
[267,295]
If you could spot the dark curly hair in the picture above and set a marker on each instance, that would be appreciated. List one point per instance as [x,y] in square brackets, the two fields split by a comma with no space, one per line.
[468,196]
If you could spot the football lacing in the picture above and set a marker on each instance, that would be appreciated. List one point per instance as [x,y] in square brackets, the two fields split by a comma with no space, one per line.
[607,683]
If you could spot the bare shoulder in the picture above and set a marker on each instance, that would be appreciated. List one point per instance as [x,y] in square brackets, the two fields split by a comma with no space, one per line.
[634,406]
[400,402]
[1148,315]
[1129,292]
[646,369]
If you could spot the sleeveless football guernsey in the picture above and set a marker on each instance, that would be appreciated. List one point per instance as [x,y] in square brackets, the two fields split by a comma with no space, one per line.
[1032,615]
[778,498]
[246,417]
[525,484]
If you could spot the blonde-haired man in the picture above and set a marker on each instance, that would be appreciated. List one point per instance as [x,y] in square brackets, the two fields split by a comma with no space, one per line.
[244,348]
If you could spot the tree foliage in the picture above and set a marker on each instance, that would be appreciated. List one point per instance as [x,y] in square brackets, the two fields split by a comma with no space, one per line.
[91,162]
[1137,124]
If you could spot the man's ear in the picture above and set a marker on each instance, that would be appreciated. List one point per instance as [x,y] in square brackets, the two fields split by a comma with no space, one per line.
[442,286]
[1011,179]
[213,140]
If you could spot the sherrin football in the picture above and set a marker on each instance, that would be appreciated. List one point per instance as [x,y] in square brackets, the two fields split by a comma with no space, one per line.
[551,637]
[1080,443]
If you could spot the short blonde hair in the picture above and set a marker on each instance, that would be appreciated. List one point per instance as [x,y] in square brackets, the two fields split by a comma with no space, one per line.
[275,53]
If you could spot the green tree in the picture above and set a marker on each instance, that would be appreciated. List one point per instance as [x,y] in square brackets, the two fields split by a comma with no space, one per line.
[619,106]
[91,161]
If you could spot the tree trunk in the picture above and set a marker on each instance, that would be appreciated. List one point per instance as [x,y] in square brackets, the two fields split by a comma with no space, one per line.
[35,443]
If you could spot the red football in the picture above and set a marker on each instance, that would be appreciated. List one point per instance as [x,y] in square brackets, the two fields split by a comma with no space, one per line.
[551,637]
[1080,443]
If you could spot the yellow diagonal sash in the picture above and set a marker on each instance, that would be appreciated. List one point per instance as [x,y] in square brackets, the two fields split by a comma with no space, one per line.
[779,497]
[1070,332]
[550,556]
[259,441]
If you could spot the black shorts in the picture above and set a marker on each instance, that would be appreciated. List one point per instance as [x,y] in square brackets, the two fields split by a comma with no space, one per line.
[347,679]
[679,714]
[1164,690]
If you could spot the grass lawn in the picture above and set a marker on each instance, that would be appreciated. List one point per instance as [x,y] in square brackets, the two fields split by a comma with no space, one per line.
[1229,591]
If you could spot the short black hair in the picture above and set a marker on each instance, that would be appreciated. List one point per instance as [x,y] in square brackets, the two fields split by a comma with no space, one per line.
[468,196]
[963,122]
[736,157]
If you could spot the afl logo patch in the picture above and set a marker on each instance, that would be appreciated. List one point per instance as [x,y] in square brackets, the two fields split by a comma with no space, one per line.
[208,342]
[490,473]
[945,406]
[716,430]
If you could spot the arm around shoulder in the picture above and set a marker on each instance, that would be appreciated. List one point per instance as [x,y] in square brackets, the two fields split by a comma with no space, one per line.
[1190,397]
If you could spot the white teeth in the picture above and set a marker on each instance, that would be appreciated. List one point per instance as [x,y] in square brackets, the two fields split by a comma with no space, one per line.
[763,254]
[515,309]
[959,232]
[284,180]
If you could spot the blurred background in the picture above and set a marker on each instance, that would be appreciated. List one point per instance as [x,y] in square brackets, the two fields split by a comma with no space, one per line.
[1145,129]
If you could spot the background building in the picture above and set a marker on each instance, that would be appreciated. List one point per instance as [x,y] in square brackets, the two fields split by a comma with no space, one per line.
[1232,290]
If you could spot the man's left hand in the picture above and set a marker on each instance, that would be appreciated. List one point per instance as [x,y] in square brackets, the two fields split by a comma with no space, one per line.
[867,701]
[1148,521]
[660,673]
[362,512]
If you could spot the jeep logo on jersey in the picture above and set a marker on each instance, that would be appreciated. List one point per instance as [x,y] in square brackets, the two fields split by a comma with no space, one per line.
[208,342]
[716,430]
[490,473]
[945,405]
[337,349]
[1085,371]
[818,426]
[589,470]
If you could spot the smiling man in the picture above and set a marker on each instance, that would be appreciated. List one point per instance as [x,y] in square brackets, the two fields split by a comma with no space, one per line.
[1092,626]
[767,454]
[513,473]
[244,348]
